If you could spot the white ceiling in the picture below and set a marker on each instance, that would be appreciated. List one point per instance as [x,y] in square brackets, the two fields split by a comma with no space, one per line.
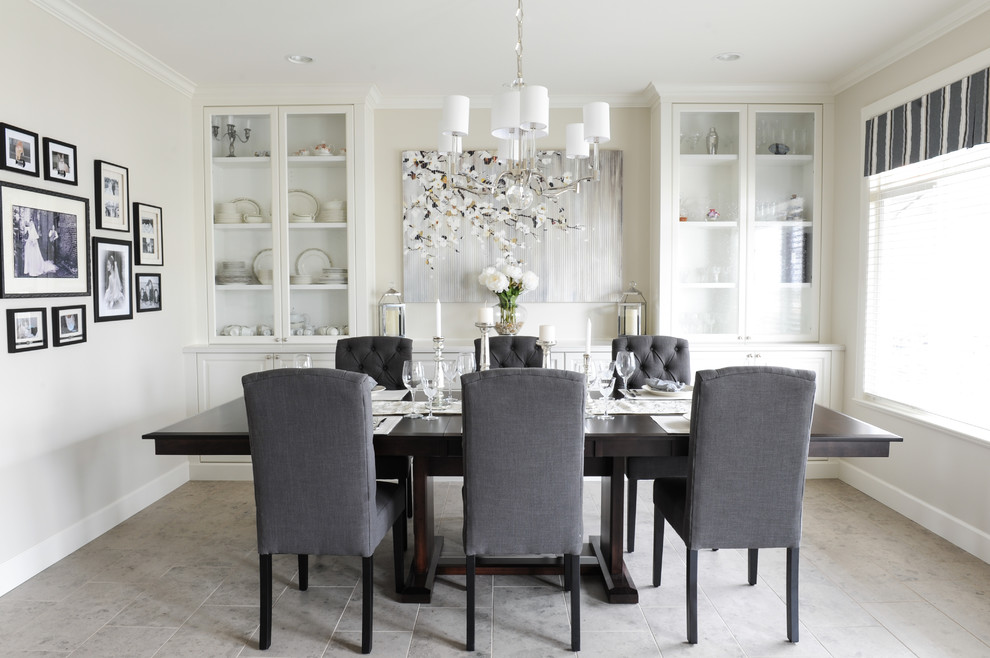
[586,48]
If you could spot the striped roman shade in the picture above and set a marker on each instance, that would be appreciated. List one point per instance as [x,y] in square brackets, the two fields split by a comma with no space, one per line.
[945,120]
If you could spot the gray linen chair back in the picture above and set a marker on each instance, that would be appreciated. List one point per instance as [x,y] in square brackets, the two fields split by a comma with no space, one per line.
[511,352]
[380,357]
[523,432]
[750,431]
[658,357]
[311,440]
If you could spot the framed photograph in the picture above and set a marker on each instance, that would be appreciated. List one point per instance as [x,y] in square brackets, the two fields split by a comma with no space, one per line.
[44,243]
[147,235]
[20,150]
[148,290]
[111,280]
[112,197]
[27,329]
[68,325]
[60,162]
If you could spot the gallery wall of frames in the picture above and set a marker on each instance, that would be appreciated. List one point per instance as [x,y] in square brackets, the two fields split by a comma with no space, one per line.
[50,246]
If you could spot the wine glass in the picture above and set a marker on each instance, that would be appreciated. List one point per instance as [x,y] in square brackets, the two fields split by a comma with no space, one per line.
[445,382]
[625,366]
[303,361]
[605,380]
[412,375]
[429,386]
[465,363]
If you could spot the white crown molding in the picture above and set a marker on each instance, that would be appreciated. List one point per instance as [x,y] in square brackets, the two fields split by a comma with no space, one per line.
[113,41]
[742,93]
[934,31]
[287,94]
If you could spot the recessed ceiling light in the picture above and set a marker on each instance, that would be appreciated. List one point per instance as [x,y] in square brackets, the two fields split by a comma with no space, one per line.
[299,59]
[728,57]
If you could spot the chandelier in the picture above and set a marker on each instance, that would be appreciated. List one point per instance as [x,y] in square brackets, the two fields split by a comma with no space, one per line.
[521,115]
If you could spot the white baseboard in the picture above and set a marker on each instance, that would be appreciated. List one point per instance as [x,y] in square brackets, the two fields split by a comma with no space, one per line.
[950,528]
[39,557]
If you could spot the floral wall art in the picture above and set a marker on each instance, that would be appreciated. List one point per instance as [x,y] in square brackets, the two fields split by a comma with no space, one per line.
[573,244]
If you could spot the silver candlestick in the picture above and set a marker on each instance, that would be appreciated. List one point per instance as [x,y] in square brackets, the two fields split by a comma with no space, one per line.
[546,345]
[231,135]
[438,372]
[486,357]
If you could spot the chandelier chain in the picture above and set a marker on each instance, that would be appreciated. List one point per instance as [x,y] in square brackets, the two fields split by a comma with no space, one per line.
[519,46]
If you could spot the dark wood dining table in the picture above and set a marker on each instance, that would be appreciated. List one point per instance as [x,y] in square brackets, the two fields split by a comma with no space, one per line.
[435,447]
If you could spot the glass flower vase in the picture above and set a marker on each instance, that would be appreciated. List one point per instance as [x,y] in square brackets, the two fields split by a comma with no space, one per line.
[509,318]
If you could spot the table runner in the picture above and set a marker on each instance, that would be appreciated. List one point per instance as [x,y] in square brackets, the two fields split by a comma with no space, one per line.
[596,407]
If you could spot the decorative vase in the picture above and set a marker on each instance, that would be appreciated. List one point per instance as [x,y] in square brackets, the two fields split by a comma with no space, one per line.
[509,318]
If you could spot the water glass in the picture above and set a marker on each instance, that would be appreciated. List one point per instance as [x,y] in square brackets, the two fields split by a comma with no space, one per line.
[303,361]
[605,379]
[429,386]
[412,375]
[625,366]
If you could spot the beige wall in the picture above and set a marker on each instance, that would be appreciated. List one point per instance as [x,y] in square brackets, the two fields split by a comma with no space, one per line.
[399,130]
[935,477]
[72,463]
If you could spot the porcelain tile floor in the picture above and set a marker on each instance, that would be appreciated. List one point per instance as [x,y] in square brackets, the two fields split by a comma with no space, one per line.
[180,579]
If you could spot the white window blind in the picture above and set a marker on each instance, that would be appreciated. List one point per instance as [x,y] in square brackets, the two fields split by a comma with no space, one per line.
[927,343]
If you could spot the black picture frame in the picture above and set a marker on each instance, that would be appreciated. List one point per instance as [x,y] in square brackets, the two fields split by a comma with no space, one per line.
[112,298]
[20,150]
[44,243]
[27,329]
[148,234]
[148,292]
[68,325]
[60,162]
[112,195]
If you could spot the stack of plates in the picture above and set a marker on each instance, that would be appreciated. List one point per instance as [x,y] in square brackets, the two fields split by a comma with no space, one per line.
[300,279]
[233,271]
[227,213]
[332,215]
[333,275]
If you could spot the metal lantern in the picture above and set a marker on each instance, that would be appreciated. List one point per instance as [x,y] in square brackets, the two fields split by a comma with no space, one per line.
[392,314]
[632,312]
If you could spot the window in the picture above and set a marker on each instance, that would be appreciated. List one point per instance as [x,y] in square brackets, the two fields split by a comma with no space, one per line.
[927,342]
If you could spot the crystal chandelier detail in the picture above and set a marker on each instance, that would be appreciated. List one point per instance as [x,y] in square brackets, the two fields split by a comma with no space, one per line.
[521,115]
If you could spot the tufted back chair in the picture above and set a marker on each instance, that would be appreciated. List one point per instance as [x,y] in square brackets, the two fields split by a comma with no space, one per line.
[380,357]
[658,357]
[511,352]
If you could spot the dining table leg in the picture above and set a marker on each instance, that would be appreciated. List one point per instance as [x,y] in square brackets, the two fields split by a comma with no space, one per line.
[427,546]
[619,587]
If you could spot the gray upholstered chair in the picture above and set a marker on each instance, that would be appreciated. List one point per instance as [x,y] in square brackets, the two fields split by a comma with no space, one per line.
[314,478]
[657,357]
[750,429]
[381,357]
[523,434]
[511,352]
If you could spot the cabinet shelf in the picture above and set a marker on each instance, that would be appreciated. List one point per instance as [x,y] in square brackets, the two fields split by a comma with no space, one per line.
[243,226]
[254,287]
[784,160]
[317,160]
[703,226]
[258,162]
[316,226]
[706,160]
[318,286]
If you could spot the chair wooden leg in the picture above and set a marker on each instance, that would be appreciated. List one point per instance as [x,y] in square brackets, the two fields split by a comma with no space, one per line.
[399,532]
[265,577]
[792,594]
[568,574]
[754,560]
[631,515]
[658,522]
[367,601]
[469,564]
[303,572]
[409,504]
[692,597]
[575,562]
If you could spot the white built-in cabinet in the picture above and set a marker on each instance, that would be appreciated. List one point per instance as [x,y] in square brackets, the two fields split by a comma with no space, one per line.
[281,226]
[740,216]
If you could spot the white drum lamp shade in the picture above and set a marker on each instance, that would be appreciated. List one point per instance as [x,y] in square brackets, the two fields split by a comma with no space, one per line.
[456,115]
[577,148]
[596,123]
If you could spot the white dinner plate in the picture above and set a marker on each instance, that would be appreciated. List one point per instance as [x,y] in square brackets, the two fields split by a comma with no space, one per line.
[378,388]
[263,261]
[247,206]
[312,262]
[302,202]
[685,392]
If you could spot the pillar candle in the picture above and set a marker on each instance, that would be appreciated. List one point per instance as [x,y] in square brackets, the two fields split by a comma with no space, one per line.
[548,333]
[439,331]
[587,339]
[486,315]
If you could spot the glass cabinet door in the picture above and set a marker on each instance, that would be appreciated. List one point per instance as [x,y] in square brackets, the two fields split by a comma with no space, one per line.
[709,182]
[781,293]
[316,209]
[240,194]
